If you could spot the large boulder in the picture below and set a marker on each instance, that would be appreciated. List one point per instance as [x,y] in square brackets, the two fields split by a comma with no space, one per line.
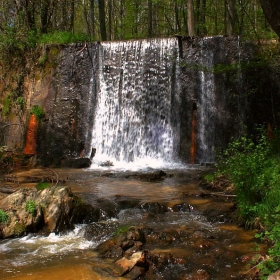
[50,210]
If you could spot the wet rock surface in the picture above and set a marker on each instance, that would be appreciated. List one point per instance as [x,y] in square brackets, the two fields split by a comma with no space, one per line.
[77,163]
[50,210]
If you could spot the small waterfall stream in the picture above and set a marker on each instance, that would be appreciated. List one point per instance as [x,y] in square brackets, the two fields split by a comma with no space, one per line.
[207,110]
[136,118]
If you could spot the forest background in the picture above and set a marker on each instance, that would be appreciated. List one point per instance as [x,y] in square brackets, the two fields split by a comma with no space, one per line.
[32,21]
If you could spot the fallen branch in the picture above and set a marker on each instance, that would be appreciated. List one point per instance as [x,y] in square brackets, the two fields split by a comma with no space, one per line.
[57,180]
[223,194]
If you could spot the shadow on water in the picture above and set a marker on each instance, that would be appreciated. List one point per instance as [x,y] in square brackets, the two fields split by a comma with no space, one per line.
[187,230]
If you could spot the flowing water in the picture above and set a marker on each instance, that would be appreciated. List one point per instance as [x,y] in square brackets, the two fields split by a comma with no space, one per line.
[136,118]
[194,234]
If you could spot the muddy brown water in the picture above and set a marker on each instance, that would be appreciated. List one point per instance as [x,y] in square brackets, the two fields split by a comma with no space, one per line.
[193,239]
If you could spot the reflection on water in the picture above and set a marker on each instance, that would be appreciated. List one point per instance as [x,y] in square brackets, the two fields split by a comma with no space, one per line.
[192,230]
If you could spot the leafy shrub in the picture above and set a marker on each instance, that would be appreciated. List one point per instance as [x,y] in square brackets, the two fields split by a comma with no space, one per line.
[30,207]
[209,177]
[4,217]
[42,186]
[63,37]
[19,229]
[38,111]
[14,43]
[7,105]
[248,165]
[21,103]
[254,168]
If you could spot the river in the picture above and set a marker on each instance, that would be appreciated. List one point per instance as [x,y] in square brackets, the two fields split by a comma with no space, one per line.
[195,237]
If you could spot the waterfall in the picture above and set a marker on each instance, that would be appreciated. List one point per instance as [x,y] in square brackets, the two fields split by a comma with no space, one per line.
[207,109]
[159,102]
[136,111]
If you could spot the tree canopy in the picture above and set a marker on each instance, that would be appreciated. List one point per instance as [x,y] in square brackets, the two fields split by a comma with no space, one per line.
[127,19]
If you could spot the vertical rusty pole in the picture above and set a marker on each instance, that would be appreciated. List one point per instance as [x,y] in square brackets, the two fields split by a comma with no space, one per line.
[31,137]
[193,135]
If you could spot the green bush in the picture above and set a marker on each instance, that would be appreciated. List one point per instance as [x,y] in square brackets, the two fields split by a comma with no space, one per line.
[21,103]
[248,164]
[42,186]
[7,105]
[253,165]
[30,207]
[38,111]
[14,43]
[62,37]
[4,217]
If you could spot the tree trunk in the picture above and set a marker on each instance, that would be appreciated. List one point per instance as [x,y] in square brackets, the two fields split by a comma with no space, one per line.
[271,9]
[231,17]
[203,18]
[150,18]
[102,21]
[110,26]
[191,18]
[44,16]
[30,14]
[72,16]
[92,25]
[177,20]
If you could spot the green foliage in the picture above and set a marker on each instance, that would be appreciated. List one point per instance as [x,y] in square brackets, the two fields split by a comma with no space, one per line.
[21,103]
[122,229]
[14,42]
[254,168]
[38,111]
[62,37]
[7,105]
[78,201]
[42,60]
[209,177]
[19,229]
[272,234]
[4,217]
[246,165]
[43,185]
[30,207]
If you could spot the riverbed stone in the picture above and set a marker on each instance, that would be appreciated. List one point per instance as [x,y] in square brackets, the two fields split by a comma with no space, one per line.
[50,210]
[274,276]
[129,241]
[154,208]
[157,175]
[127,264]
[200,274]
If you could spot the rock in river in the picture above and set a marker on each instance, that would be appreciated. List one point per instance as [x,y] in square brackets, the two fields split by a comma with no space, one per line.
[50,210]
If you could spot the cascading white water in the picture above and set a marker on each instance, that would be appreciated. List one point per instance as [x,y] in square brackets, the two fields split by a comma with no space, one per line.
[207,108]
[136,119]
